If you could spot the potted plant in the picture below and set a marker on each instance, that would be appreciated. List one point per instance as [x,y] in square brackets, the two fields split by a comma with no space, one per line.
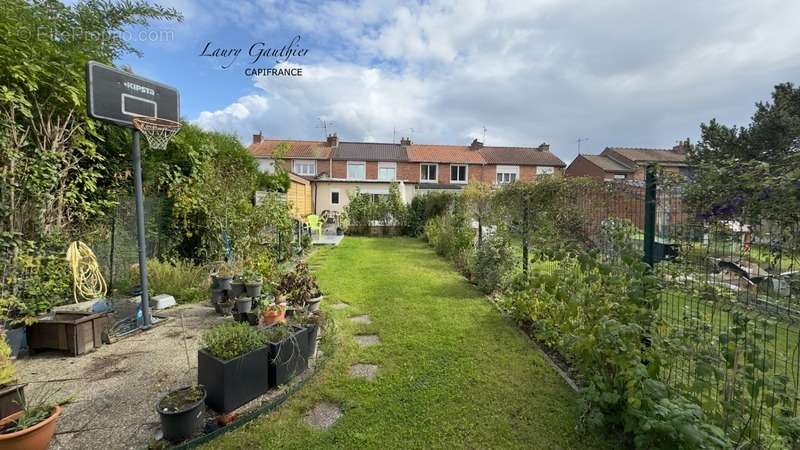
[225,307]
[273,313]
[300,288]
[285,358]
[244,305]
[232,365]
[31,428]
[252,282]
[313,322]
[11,394]
[223,276]
[181,412]
[237,287]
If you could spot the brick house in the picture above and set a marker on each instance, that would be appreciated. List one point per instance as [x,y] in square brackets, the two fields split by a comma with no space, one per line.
[337,168]
[624,163]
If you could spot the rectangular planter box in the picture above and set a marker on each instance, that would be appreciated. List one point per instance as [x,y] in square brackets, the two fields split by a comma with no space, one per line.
[231,384]
[11,399]
[74,332]
[286,358]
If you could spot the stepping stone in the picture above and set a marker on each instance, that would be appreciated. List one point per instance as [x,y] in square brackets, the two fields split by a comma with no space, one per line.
[367,371]
[363,319]
[367,340]
[323,415]
[339,305]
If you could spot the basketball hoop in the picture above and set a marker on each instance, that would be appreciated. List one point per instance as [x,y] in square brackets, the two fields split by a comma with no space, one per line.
[157,131]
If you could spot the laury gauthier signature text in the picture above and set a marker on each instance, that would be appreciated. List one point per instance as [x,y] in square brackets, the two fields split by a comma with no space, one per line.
[255,53]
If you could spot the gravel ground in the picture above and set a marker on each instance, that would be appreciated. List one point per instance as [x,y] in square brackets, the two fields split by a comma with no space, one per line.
[115,388]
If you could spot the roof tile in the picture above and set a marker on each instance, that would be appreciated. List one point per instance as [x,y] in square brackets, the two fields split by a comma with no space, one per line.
[370,151]
[297,149]
[531,156]
[443,154]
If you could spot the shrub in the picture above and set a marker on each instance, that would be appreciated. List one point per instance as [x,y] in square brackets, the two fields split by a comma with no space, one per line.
[231,339]
[187,282]
[298,286]
[493,262]
[7,367]
[35,277]
[599,313]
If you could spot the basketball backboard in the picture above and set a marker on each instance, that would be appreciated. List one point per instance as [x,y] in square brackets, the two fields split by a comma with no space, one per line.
[118,96]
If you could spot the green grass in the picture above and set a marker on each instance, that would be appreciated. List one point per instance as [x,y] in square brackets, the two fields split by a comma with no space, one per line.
[453,372]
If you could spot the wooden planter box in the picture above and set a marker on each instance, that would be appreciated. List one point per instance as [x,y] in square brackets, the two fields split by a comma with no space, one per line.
[74,332]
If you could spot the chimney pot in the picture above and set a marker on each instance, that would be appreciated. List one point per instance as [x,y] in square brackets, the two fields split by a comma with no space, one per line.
[405,141]
[257,138]
[476,144]
[333,140]
[682,147]
[544,146]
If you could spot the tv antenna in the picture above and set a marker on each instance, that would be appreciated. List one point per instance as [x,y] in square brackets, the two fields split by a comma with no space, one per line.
[324,124]
[579,141]
[484,134]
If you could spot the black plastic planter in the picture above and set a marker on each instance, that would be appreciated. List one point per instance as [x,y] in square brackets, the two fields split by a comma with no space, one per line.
[224,282]
[253,289]
[237,288]
[286,358]
[180,425]
[231,384]
[11,399]
[244,304]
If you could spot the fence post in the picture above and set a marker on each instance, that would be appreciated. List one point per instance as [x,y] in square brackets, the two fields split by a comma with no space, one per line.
[650,215]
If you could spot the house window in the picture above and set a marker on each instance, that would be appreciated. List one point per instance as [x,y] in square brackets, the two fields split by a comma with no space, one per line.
[619,177]
[377,198]
[356,170]
[545,170]
[305,167]
[428,172]
[387,171]
[458,173]
[334,197]
[507,174]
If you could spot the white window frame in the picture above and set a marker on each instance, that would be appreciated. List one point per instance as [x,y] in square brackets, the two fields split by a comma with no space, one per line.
[619,176]
[387,165]
[466,174]
[338,197]
[503,174]
[545,170]
[304,162]
[357,163]
[436,169]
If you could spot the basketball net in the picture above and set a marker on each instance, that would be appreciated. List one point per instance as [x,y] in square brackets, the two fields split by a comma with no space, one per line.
[157,131]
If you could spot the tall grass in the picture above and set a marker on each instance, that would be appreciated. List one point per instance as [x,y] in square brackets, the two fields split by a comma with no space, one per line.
[187,282]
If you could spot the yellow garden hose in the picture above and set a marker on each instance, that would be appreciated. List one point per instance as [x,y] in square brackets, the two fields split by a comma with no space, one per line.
[87,280]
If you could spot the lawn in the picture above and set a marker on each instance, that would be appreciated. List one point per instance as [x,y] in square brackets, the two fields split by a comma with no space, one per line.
[453,372]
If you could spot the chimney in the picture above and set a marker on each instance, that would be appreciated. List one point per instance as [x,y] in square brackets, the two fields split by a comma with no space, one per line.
[333,141]
[682,147]
[257,138]
[544,147]
[405,141]
[476,144]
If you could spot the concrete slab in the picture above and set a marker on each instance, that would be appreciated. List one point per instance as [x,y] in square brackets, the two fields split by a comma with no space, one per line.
[363,319]
[366,371]
[367,340]
[323,415]
[326,239]
[339,305]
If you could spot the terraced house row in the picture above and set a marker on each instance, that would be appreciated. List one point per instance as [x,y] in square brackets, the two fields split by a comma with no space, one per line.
[330,170]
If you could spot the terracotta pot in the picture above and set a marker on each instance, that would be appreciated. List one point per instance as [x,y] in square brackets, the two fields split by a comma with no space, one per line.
[36,437]
[273,317]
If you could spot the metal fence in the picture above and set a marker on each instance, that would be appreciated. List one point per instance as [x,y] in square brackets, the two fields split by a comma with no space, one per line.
[728,305]
[116,245]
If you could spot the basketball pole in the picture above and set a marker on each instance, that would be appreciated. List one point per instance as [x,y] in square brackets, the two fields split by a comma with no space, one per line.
[137,183]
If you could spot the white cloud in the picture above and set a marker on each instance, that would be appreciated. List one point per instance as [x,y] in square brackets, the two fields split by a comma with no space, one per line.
[620,72]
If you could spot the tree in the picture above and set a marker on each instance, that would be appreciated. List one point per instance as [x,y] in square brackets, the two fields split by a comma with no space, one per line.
[531,207]
[751,172]
[479,198]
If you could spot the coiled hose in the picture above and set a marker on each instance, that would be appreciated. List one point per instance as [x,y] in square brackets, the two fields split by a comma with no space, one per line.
[87,279]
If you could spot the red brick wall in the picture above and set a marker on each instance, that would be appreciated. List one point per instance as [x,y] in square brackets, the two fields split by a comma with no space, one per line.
[339,169]
[408,171]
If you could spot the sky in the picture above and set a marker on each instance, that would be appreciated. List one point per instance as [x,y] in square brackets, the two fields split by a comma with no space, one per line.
[635,73]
